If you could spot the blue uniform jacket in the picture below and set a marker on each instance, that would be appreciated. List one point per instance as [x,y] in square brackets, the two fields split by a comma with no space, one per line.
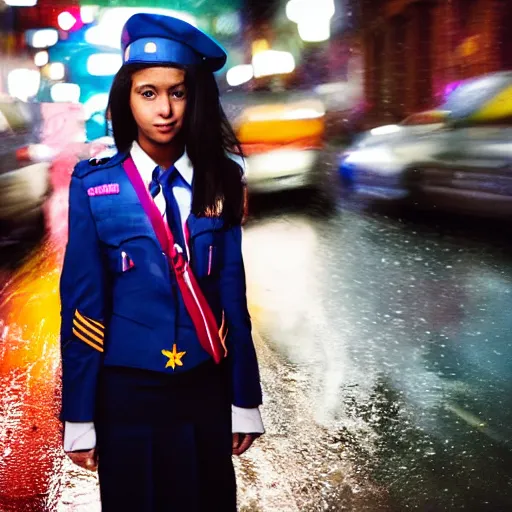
[119,300]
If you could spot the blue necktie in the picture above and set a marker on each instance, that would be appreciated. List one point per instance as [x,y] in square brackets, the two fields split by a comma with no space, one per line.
[154,186]
[174,179]
[168,180]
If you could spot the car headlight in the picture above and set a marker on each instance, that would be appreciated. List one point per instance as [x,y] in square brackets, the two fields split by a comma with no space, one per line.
[381,159]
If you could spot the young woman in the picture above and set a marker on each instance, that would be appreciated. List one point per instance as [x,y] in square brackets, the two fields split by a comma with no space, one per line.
[160,377]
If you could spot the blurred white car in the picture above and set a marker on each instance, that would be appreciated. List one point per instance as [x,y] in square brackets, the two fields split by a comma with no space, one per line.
[24,172]
[457,156]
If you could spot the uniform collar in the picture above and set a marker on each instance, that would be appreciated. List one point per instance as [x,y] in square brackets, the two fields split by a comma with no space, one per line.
[145,164]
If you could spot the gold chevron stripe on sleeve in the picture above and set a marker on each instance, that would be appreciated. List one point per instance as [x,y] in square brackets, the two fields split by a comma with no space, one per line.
[86,332]
[95,322]
[90,343]
[87,323]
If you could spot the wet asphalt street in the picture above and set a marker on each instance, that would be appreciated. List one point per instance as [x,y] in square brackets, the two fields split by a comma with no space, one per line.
[386,360]
[396,333]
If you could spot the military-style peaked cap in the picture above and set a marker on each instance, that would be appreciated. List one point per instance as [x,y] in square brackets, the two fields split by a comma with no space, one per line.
[156,39]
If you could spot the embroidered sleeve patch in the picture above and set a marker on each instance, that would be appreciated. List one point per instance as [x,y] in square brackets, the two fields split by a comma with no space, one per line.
[89,331]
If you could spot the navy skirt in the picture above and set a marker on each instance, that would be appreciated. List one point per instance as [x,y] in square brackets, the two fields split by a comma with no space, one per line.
[164,441]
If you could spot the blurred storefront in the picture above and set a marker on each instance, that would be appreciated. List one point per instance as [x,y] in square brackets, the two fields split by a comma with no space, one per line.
[417,50]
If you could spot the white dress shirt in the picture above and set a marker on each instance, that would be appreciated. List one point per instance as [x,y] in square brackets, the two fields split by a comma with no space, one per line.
[82,436]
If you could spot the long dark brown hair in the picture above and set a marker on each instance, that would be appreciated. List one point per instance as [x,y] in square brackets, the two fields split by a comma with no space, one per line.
[218,180]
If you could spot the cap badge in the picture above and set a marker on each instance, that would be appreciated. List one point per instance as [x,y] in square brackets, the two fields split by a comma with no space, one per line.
[150,48]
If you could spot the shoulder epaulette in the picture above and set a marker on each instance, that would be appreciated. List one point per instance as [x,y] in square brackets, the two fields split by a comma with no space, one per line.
[85,167]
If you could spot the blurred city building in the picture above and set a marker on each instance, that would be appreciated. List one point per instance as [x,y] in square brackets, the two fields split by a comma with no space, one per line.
[416,51]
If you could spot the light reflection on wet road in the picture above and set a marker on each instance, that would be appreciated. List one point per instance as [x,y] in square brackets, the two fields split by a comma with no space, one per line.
[402,339]
[386,364]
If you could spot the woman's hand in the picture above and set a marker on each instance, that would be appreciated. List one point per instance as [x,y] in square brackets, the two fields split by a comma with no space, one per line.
[85,459]
[242,442]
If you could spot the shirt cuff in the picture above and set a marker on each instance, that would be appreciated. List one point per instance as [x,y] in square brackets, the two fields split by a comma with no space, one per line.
[79,436]
[246,421]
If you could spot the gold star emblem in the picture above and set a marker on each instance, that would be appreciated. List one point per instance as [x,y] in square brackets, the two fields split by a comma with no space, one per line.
[174,357]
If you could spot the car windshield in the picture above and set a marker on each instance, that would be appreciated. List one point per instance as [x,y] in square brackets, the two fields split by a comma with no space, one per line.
[471,94]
